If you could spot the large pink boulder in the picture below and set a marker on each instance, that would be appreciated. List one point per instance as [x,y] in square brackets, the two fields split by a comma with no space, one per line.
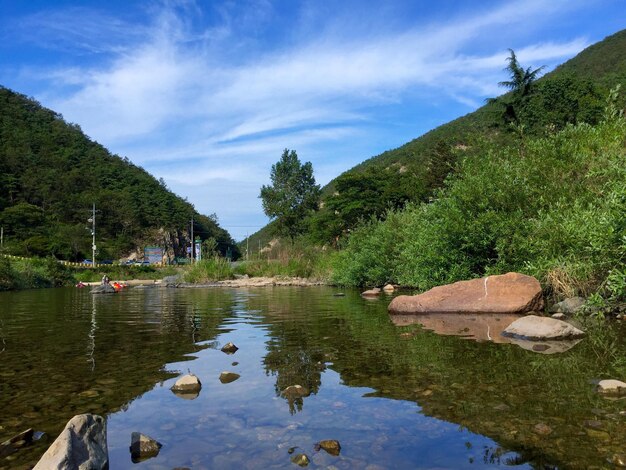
[506,293]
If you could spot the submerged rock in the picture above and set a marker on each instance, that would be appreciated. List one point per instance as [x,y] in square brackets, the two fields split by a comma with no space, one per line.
[506,293]
[295,391]
[612,387]
[143,447]
[300,459]
[228,377]
[103,289]
[388,288]
[81,445]
[331,446]
[229,348]
[535,328]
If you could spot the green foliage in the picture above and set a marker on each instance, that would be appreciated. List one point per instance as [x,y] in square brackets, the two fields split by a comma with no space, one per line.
[33,273]
[7,275]
[540,206]
[292,196]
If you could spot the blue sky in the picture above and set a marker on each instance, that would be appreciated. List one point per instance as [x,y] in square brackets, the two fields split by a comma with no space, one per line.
[207,94]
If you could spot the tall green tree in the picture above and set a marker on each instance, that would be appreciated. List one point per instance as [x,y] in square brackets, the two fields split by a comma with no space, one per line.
[521,84]
[292,196]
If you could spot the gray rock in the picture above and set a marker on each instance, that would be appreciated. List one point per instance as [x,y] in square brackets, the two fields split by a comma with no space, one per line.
[143,447]
[569,306]
[535,328]
[103,289]
[81,445]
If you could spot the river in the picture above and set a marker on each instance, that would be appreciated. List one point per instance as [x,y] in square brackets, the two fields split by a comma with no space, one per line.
[394,396]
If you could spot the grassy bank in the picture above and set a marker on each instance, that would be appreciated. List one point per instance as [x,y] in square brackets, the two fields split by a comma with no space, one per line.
[551,207]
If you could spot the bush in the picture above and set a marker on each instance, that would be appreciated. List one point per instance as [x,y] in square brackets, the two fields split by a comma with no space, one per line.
[551,207]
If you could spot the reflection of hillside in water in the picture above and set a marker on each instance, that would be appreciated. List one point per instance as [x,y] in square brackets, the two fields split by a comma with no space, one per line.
[498,390]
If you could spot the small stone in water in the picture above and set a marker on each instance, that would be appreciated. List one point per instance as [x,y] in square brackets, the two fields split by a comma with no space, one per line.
[228,377]
[143,447]
[291,450]
[295,391]
[187,383]
[235,363]
[301,459]
[229,348]
[330,445]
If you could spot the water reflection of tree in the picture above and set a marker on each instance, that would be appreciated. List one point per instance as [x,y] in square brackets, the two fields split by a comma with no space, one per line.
[295,359]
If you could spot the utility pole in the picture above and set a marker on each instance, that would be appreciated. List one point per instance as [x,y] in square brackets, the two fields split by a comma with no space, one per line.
[2,237]
[247,245]
[192,246]
[93,235]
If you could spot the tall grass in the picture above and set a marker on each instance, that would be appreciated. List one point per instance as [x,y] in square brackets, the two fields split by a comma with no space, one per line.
[208,270]
[288,259]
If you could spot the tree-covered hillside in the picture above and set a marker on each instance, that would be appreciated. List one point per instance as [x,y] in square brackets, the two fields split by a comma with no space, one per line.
[51,174]
[574,92]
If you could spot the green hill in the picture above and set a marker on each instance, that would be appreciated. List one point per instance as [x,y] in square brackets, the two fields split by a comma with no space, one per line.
[51,174]
[574,92]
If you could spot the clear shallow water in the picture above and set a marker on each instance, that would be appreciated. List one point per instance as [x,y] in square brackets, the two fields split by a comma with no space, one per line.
[394,396]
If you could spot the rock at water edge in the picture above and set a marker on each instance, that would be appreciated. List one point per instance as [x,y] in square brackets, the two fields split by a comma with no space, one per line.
[612,387]
[569,306]
[375,292]
[388,288]
[143,447]
[506,293]
[533,327]
[82,444]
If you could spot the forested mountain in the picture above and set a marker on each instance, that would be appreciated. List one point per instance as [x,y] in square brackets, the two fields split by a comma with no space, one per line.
[51,174]
[574,92]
